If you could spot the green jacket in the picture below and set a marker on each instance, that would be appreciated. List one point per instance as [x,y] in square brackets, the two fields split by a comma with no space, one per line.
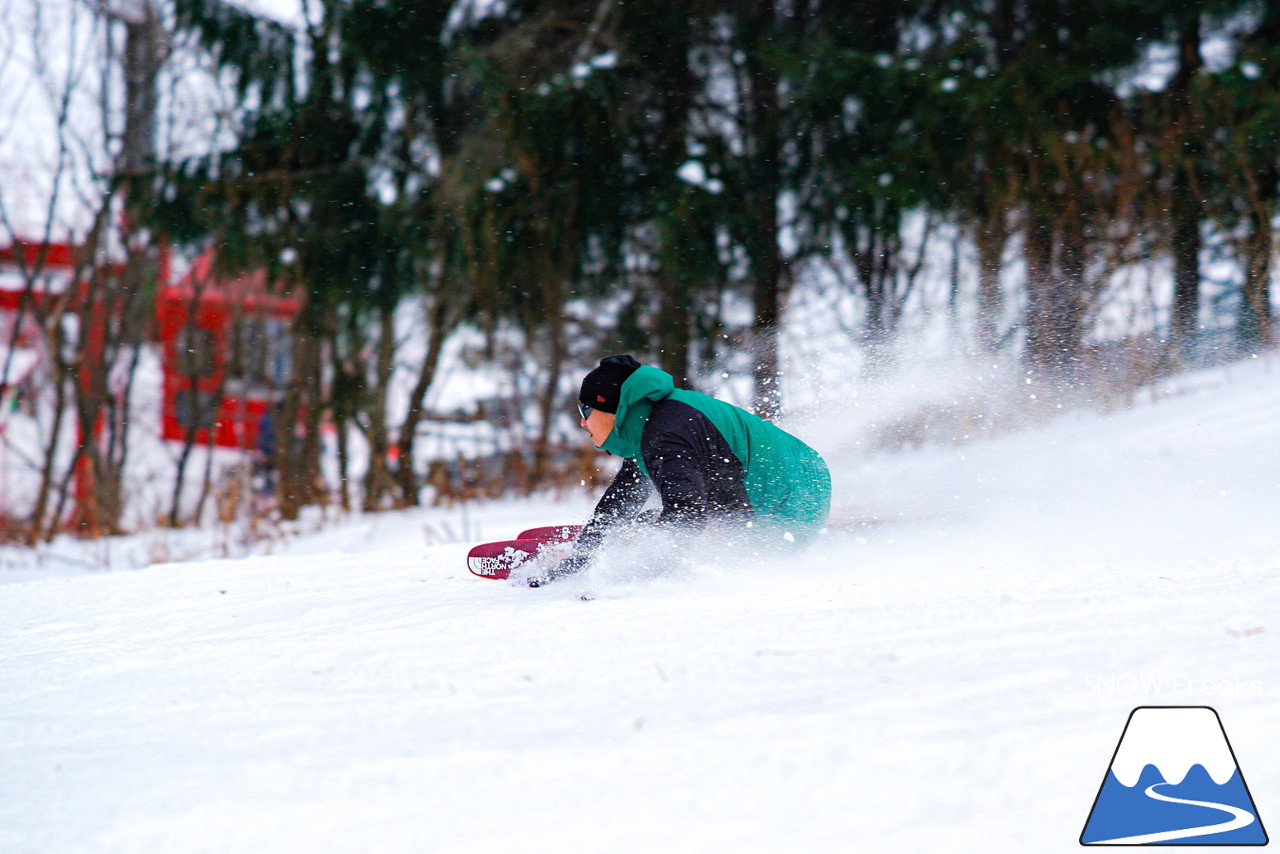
[787,482]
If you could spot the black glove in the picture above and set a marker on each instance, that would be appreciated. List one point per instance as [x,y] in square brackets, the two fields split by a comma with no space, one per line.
[577,561]
[569,566]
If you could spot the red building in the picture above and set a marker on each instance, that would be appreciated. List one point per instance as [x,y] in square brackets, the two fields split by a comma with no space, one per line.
[223,339]
[226,354]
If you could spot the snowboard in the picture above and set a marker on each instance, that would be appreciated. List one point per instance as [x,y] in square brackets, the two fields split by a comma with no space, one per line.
[499,559]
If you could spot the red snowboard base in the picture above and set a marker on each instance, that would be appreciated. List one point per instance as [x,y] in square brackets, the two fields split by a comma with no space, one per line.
[498,560]
[551,532]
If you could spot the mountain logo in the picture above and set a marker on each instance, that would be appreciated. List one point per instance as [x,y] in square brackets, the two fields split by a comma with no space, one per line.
[1173,780]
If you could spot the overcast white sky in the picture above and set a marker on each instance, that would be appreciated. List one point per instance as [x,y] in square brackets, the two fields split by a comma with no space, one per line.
[51,50]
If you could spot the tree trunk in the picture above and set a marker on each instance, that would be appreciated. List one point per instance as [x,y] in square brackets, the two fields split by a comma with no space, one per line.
[876,248]
[193,427]
[405,474]
[1057,293]
[1254,328]
[344,467]
[1043,347]
[675,325]
[557,354]
[141,67]
[44,494]
[1184,207]
[297,455]
[990,240]
[111,315]
[765,174]
[378,482]
[1185,211]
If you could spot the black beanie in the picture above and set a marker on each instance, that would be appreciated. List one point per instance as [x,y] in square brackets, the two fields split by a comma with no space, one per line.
[603,386]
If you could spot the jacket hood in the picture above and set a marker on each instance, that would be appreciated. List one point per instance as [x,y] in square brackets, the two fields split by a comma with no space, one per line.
[645,387]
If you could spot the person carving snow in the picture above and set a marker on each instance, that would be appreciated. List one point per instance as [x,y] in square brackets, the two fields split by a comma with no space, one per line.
[711,463]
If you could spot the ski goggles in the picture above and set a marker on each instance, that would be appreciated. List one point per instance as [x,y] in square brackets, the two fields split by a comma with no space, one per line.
[585,411]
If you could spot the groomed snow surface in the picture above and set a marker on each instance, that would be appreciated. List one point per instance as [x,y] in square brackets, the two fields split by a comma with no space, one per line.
[949,670]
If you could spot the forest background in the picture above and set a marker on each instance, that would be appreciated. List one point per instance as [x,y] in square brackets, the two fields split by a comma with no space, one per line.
[1084,193]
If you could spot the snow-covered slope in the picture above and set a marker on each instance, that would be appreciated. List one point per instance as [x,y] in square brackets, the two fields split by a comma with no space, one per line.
[949,670]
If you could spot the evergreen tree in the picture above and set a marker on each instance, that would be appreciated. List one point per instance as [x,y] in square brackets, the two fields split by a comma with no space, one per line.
[535,187]
[596,172]
[319,191]
[1040,124]
[870,95]
[1242,112]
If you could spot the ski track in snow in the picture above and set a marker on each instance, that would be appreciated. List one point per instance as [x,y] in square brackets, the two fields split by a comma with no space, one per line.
[936,680]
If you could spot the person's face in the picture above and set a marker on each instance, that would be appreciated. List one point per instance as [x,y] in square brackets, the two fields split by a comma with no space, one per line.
[598,425]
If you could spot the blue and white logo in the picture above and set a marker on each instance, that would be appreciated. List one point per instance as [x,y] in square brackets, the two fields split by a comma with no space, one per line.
[1173,780]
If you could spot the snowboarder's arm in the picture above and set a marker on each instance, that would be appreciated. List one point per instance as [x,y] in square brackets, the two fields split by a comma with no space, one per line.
[621,503]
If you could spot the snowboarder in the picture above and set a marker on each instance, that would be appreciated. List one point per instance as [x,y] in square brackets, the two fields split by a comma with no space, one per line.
[711,462]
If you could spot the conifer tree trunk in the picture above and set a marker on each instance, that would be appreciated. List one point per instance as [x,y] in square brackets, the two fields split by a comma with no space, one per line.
[1184,207]
[1254,328]
[1056,297]
[766,260]
[990,240]
[557,354]
[298,450]
[1042,338]
[675,312]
